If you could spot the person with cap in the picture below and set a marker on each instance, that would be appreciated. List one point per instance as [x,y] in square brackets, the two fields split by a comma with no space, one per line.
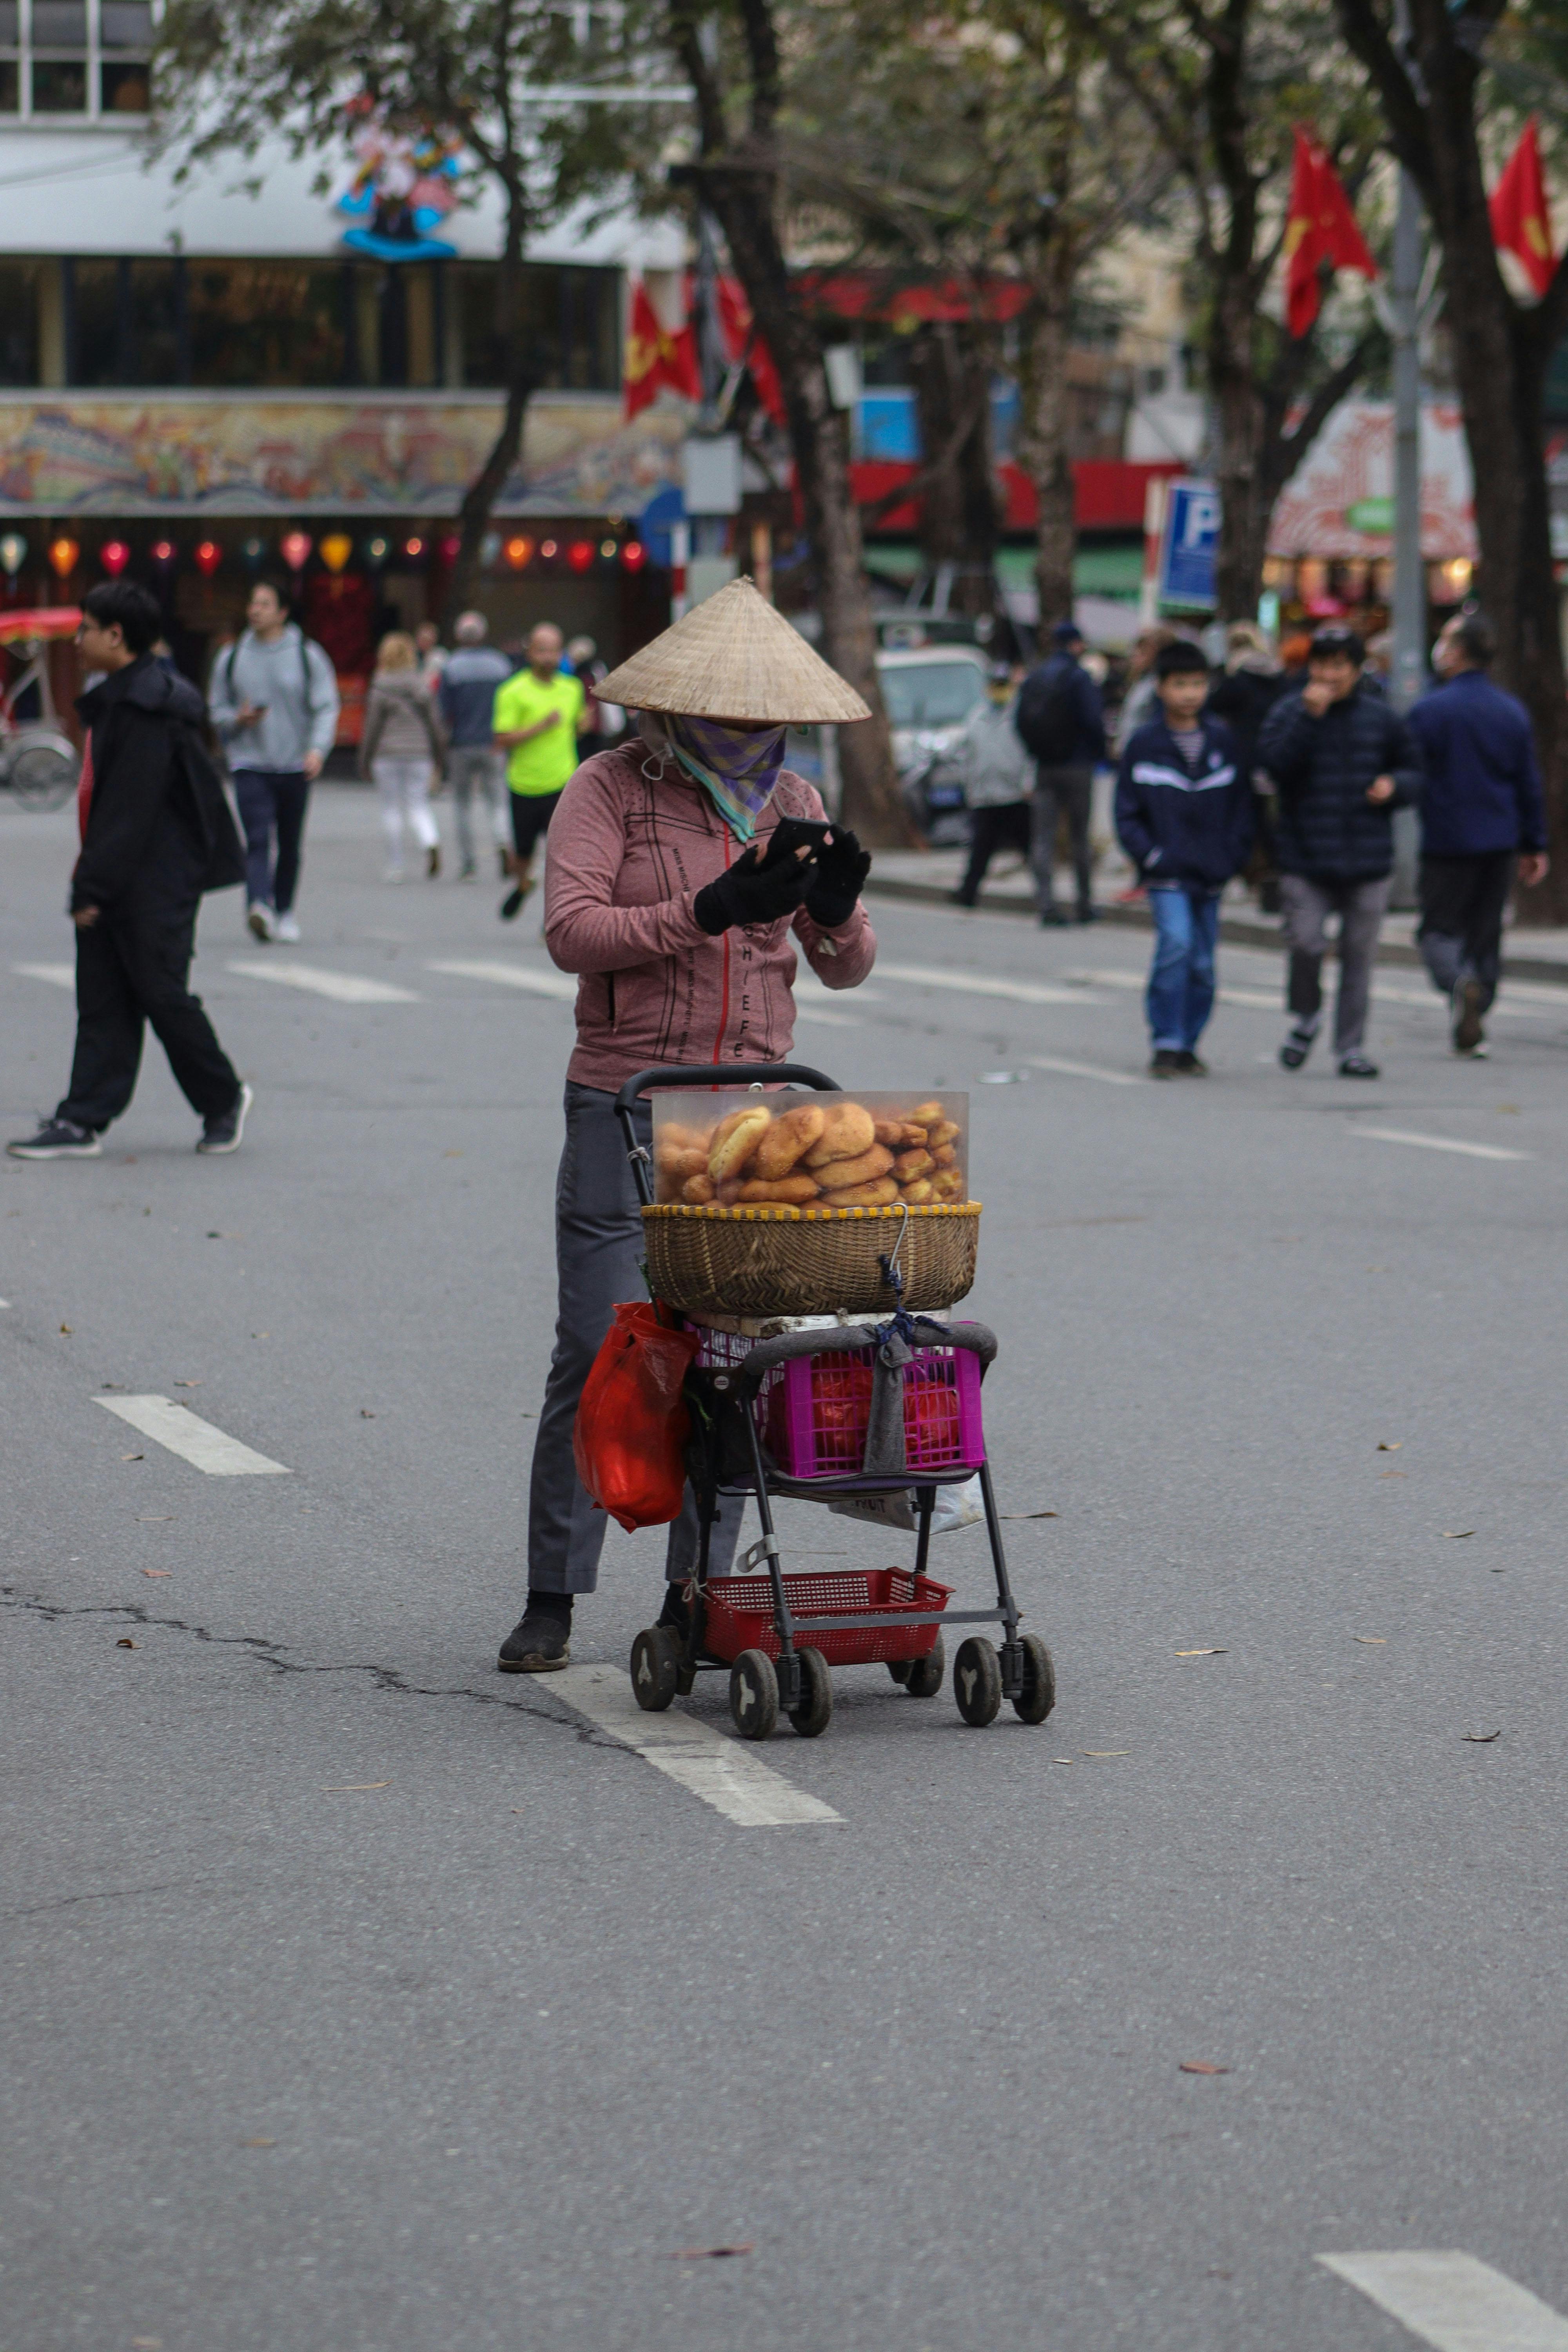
[1061,721]
[1481,816]
[996,775]
[470,676]
[667,896]
[1343,762]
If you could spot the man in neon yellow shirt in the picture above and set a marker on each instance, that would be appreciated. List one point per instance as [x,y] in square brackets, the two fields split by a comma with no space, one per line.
[538,715]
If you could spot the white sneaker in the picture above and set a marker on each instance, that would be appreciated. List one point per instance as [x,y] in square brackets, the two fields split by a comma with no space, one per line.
[288,928]
[262,920]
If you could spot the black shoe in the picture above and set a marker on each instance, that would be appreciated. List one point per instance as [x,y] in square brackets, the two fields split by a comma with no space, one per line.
[1295,1049]
[960,899]
[1189,1067]
[223,1134]
[1053,920]
[1467,1009]
[57,1139]
[1356,1066]
[1087,915]
[511,905]
[1166,1064]
[540,1640]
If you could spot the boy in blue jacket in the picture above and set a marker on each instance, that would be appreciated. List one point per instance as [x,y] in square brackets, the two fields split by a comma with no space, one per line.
[1184,815]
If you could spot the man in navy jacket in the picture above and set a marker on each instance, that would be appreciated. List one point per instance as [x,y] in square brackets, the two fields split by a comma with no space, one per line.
[1185,817]
[1061,721]
[1480,811]
[1342,762]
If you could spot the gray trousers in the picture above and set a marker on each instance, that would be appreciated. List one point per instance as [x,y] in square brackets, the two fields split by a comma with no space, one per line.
[598,1246]
[1307,901]
[1057,788]
[480,764]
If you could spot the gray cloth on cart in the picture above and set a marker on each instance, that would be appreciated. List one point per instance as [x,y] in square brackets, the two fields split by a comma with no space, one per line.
[599,1250]
[886,1445]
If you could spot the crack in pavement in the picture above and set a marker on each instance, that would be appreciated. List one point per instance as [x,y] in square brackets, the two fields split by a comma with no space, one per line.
[104,1894]
[273,1654]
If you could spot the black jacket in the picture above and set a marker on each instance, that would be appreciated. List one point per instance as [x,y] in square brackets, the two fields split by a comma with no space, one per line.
[153,782]
[1082,744]
[1187,828]
[1322,769]
[1244,697]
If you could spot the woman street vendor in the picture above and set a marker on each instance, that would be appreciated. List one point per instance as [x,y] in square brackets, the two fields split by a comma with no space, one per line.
[662,896]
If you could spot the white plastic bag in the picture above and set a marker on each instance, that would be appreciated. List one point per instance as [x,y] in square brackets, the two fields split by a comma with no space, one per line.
[955,1507]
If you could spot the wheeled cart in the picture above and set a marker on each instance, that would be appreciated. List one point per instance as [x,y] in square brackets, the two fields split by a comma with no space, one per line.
[789,1415]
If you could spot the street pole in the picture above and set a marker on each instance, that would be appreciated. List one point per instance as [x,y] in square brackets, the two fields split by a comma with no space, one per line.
[1409,665]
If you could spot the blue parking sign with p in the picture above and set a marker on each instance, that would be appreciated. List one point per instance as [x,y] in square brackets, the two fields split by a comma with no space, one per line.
[1190,542]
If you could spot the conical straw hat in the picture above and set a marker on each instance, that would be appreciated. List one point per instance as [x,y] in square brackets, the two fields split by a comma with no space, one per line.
[732,656]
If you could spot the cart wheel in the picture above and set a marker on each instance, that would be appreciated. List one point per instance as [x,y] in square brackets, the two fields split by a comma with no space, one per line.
[754,1694]
[1038,1695]
[925,1678]
[655,1664]
[44,774]
[900,1669]
[977,1681]
[814,1713]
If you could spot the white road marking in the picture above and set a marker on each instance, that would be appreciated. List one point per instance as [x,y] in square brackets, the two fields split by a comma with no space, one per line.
[975,983]
[1266,1000]
[827,1020]
[540,982]
[1440,1143]
[60,975]
[343,987]
[1453,2302]
[1083,1070]
[730,1778]
[807,984]
[186,1433]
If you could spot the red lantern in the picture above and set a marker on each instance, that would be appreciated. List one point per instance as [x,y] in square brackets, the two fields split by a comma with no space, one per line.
[63,553]
[208,556]
[634,555]
[451,548]
[519,553]
[114,555]
[414,549]
[580,555]
[163,550]
[295,547]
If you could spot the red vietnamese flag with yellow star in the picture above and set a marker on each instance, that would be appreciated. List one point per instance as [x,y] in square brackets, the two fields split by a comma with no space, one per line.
[1521,222]
[1319,226]
[656,358]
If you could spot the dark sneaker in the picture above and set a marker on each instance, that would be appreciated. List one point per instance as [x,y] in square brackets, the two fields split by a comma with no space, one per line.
[1189,1067]
[1295,1049]
[1053,919]
[223,1134]
[1467,1009]
[1166,1064]
[433,861]
[57,1139]
[1356,1066]
[960,899]
[1086,915]
[537,1645]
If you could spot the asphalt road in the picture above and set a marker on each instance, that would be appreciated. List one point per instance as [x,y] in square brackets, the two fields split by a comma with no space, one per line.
[359,1999]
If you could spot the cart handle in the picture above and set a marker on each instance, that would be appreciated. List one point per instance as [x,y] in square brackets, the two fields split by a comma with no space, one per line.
[703,1074]
[755,1367]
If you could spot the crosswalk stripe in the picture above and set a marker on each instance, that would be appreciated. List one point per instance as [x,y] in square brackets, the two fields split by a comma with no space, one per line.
[194,1440]
[538,980]
[58,975]
[342,987]
[1440,1143]
[975,983]
[730,1778]
[1453,2302]
[1083,1070]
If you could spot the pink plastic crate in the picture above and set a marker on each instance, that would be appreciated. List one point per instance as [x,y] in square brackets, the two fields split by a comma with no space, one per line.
[813,1411]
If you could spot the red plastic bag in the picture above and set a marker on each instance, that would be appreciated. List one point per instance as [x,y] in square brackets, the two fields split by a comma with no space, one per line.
[632,1424]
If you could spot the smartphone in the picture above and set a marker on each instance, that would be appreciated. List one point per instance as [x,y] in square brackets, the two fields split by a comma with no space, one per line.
[792,833]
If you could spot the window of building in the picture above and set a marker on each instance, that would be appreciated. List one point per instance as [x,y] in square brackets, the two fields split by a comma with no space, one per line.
[270,323]
[82,58]
[572,323]
[19,323]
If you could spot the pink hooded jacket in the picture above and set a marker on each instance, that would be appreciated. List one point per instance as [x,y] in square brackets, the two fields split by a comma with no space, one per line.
[628,854]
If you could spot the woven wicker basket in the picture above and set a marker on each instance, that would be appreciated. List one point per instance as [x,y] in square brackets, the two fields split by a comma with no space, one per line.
[782,1261]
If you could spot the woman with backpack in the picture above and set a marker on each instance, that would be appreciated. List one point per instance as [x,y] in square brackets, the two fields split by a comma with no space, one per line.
[402,750]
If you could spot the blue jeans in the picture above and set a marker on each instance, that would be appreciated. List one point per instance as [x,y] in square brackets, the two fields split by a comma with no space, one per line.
[272,800]
[1181,979]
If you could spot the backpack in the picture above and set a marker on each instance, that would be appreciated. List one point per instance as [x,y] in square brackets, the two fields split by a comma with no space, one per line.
[305,644]
[1047,718]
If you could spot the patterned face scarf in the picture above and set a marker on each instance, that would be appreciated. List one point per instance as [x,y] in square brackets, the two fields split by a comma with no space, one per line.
[736,768]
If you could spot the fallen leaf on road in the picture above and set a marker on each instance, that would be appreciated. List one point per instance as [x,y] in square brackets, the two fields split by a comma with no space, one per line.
[452,1155]
[1393,1473]
[134,1458]
[366,1414]
[67,1329]
[1481,1739]
[709,2253]
[1105,1752]
[1383,1447]
[1372,1641]
[354,1788]
[188,1384]
[147,2344]
[1459,1534]
[153,1519]
[1030,1515]
[258,2143]
[157,1571]
[125,1643]
[1203,1653]
[1200,2066]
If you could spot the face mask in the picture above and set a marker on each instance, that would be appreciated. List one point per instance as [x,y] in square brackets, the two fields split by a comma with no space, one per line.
[738,767]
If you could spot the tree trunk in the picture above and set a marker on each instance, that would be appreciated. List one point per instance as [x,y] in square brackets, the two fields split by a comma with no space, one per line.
[1043,438]
[742,199]
[478,502]
[1238,420]
[958,522]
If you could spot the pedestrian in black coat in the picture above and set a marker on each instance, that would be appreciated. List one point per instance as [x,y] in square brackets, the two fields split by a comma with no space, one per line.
[1342,762]
[156,832]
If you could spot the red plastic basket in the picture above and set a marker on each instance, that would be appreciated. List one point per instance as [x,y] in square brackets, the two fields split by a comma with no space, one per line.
[813,1411]
[740,1613]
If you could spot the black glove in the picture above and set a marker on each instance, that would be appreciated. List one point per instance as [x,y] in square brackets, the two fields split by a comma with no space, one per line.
[836,880]
[752,893]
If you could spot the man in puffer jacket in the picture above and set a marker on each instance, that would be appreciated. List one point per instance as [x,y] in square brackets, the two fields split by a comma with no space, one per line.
[1342,762]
